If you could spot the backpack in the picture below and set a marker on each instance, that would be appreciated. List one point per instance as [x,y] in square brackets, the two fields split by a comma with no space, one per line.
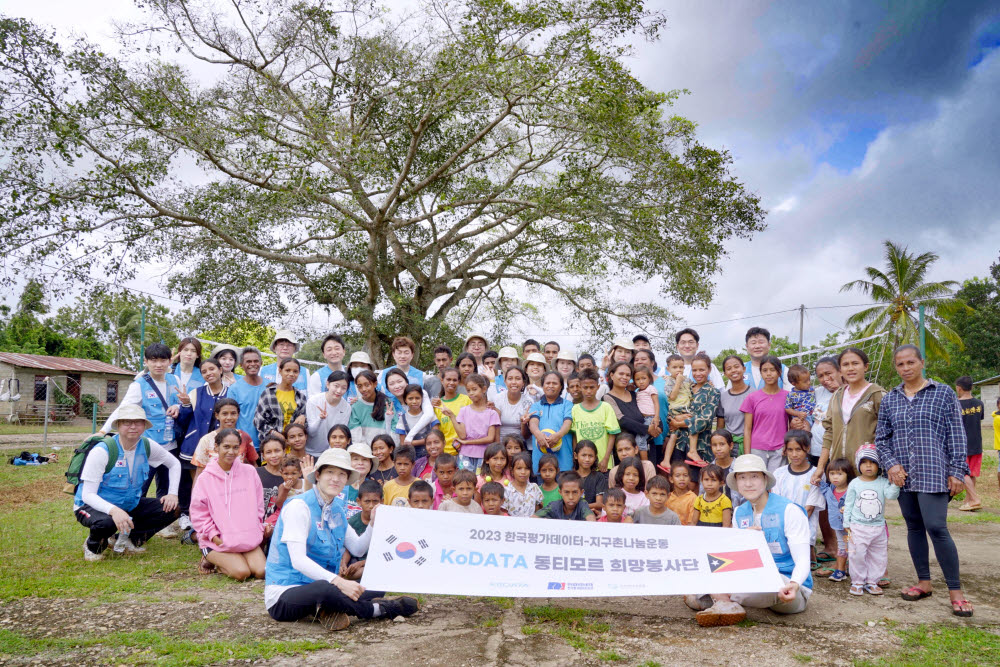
[80,456]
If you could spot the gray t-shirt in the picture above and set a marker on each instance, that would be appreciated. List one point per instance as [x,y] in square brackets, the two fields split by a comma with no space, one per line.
[432,385]
[668,518]
[729,409]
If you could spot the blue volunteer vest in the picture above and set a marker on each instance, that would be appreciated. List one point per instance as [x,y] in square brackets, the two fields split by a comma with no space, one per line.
[748,377]
[324,545]
[270,374]
[162,431]
[121,487]
[772,523]
[195,381]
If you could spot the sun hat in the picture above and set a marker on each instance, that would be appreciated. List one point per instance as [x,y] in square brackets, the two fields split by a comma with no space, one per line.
[866,451]
[362,449]
[128,412]
[624,343]
[225,347]
[285,334]
[337,458]
[508,353]
[361,358]
[566,355]
[476,335]
[749,463]
[536,357]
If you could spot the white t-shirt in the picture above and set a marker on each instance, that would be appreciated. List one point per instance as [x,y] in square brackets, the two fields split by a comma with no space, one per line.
[510,415]
[797,487]
[317,428]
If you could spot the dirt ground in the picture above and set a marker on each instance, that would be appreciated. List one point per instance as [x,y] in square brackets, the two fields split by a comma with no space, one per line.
[836,629]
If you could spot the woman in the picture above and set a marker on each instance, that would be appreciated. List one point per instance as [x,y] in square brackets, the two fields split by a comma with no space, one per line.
[549,422]
[623,401]
[731,399]
[281,403]
[228,357]
[227,510]
[704,407]
[306,551]
[534,368]
[852,414]
[764,419]
[512,404]
[371,414]
[360,361]
[395,382]
[622,351]
[326,410]
[187,364]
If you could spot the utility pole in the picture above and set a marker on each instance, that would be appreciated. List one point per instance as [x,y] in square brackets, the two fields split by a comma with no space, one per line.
[45,421]
[923,338]
[802,320]
[142,336]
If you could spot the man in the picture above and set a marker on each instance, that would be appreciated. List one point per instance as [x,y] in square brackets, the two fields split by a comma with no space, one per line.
[247,390]
[404,350]
[110,499]
[687,341]
[284,346]
[786,529]
[551,351]
[641,342]
[333,350]
[758,341]
[530,346]
[476,345]
[973,414]
[442,359]
[921,443]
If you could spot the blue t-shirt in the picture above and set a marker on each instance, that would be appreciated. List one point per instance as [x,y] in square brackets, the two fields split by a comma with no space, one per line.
[248,397]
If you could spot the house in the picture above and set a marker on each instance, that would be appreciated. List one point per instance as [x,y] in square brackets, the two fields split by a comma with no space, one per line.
[24,375]
[989,391]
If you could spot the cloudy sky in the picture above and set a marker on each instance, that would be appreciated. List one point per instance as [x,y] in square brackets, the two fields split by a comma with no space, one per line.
[854,121]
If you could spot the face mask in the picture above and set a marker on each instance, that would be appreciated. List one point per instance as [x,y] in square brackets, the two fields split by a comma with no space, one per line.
[355,372]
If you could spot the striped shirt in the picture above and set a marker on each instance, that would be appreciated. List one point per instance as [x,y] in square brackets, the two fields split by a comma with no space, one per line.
[923,434]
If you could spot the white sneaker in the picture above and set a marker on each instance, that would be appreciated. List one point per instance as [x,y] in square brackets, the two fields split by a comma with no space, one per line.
[184,522]
[170,532]
[119,545]
[89,555]
[133,549]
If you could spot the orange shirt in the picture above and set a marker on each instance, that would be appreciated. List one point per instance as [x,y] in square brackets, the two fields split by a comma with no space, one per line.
[683,505]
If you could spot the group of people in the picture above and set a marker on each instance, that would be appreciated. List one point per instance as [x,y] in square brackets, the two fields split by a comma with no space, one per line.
[277,473]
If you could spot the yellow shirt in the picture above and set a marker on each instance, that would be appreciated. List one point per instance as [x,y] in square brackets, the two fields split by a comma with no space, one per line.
[394,493]
[447,426]
[996,430]
[711,512]
[286,399]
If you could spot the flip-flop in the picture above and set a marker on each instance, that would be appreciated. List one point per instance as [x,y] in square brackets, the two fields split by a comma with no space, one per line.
[824,572]
[825,557]
[814,566]
[697,464]
[914,593]
[885,581]
[956,608]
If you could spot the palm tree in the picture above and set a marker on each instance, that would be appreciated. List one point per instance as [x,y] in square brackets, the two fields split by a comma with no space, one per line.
[898,290]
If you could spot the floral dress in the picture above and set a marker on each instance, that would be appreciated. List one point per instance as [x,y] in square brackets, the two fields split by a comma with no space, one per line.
[522,504]
[704,406]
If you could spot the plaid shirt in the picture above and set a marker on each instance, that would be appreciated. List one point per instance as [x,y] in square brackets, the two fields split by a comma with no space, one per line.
[925,435]
[269,416]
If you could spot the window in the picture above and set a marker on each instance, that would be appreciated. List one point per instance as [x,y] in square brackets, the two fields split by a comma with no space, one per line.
[112,391]
[40,384]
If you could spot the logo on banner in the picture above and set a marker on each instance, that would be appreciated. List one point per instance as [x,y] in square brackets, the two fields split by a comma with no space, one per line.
[557,586]
[405,550]
[731,561]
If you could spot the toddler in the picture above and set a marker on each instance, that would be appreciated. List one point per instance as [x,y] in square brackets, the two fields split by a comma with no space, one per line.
[864,522]
[678,389]
[801,399]
[713,507]
[614,507]
[840,472]
[465,491]
[648,401]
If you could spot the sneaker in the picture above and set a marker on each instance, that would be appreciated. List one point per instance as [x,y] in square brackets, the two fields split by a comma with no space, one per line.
[184,522]
[119,545]
[698,602]
[89,555]
[403,606]
[124,545]
[190,537]
[170,532]
[838,575]
[857,589]
[334,621]
[721,613]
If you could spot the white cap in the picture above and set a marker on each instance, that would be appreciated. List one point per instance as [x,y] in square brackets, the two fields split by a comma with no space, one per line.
[128,412]
[508,353]
[337,458]
[475,334]
[749,463]
[360,358]
[566,355]
[285,334]
[624,343]
[536,357]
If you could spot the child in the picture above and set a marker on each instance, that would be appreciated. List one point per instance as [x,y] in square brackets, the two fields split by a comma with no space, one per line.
[657,512]
[496,465]
[369,497]
[722,449]
[396,491]
[434,445]
[678,390]
[339,437]
[291,472]
[421,495]
[296,438]
[465,490]
[801,399]
[548,470]
[573,388]
[864,522]
[272,451]
[794,481]
[493,497]
[614,507]
[631,478]
[363,461]
[413,397]
[647,399]
[682,498]
[594,419]
[444,474]
[840,472]
[595,482]
[570,506]
[514,445]
[713,507]
[626,448]
[477,425]
[522,497]
[453,401]
[383,448]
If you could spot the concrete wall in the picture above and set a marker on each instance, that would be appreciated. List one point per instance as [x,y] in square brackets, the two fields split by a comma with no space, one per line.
[989,398]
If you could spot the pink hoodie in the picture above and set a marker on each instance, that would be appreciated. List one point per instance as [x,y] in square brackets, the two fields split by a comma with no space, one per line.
[230,506]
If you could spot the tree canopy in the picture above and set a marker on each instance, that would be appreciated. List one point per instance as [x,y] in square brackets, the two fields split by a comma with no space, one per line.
[410,173]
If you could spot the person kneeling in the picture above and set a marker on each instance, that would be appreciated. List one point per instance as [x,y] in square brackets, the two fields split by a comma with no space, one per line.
[307,549]
[786,529]
[227,511]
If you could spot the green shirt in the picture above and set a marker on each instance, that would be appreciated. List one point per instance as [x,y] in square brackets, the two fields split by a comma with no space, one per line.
[595,425]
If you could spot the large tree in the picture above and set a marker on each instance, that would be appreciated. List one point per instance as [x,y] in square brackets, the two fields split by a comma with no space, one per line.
[409,172]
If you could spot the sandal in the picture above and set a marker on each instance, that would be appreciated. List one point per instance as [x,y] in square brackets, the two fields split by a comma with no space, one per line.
[814,565]
[873,589]
[885,581]
[205,567]
[914,593]
[857,589]
[825,557]
[958,610]
[824,571]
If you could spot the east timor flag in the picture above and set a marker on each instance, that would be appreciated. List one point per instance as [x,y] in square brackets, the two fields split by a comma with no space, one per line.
[734,560]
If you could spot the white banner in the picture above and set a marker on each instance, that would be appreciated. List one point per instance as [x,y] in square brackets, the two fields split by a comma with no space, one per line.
[422,551]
